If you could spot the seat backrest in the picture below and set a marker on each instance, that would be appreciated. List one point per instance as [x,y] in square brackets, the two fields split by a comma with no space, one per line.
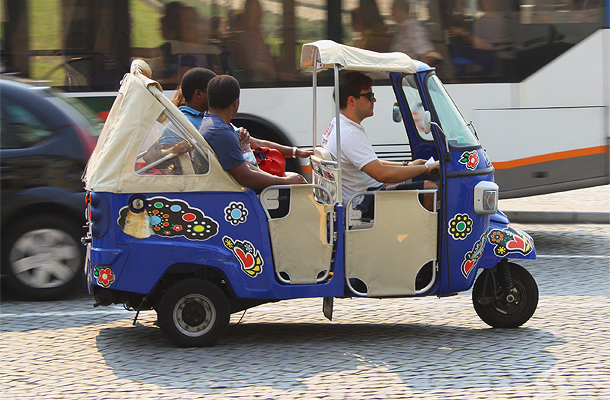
[322,153]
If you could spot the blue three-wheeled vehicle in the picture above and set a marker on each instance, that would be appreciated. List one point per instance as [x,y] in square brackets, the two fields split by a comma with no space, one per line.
[179,235]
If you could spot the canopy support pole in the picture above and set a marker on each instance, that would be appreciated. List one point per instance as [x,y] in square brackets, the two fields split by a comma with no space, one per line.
[315,95]
[338,134]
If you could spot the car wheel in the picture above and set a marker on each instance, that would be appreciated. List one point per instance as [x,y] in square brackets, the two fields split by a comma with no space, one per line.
[42,258]
[502,308]
[193,313]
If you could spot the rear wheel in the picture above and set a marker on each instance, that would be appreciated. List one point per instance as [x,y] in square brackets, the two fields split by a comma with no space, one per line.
[193,313]
[501,307]
[42,257]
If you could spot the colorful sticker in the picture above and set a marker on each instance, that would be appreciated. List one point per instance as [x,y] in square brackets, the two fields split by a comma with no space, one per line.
[510,240]
[471,258]
[470,159]
[104,276]
[249,258]
[165,217]
[236,213]
[487,161]
[460,226]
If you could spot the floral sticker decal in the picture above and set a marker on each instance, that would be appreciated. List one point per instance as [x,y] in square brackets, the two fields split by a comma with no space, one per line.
[249,258]
[104,276]
[236,213]
[166,217]
[471,258]
[470,159]
[510,240]
[460,226]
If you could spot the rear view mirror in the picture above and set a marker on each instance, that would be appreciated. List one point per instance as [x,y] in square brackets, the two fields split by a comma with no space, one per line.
[427,121]
[396,115]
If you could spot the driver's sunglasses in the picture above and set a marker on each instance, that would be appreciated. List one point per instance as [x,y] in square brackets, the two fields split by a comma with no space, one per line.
[368,95]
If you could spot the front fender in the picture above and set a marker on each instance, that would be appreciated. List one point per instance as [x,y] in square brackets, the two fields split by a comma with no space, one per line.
[506,241]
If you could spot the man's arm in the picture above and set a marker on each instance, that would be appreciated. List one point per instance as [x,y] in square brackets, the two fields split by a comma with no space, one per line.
[285,150]
[258,179]
[397,173]
[414,162]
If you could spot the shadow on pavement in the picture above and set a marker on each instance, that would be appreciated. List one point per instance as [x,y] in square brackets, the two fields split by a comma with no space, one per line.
[295,357]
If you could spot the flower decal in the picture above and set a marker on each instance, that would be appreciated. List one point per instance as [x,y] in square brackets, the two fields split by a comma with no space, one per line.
[249,258]
[470,159]
[236,213]
[460,226]
[104,276]
[496,237]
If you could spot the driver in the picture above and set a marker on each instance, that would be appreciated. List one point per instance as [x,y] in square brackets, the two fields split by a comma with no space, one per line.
[362,170]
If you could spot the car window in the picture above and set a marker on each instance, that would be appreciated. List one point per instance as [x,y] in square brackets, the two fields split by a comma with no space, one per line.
[77,111]
[20,127]
[166,151]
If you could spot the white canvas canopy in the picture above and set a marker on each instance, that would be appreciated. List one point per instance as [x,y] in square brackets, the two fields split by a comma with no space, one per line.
[329,54]
[138,105]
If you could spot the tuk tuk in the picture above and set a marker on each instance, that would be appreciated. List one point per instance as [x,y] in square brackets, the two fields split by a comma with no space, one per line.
[195,246]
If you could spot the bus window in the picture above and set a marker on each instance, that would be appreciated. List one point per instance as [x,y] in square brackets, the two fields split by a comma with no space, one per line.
[83,45]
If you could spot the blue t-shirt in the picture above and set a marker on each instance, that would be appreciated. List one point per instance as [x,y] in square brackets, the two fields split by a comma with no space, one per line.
[193,115]
[223,140]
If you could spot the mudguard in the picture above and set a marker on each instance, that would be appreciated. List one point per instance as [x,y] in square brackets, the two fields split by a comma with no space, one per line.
[506,241]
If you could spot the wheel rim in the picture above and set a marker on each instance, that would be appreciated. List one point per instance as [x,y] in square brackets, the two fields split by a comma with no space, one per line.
[45,258]
[504,305]
[194,315]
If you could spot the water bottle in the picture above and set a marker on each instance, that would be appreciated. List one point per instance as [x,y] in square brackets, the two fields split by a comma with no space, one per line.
[245,147]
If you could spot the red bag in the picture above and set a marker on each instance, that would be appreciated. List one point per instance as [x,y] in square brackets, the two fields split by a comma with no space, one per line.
[270,160]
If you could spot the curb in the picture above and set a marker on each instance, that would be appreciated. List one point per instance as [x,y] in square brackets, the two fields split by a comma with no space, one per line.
[558,217]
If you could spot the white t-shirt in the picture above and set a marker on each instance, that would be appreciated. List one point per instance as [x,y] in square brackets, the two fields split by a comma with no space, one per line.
[356,152]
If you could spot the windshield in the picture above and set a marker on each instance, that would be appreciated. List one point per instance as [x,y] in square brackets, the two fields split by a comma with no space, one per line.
[449,117]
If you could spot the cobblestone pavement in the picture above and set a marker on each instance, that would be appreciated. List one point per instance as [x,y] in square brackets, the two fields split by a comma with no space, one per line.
[424,348]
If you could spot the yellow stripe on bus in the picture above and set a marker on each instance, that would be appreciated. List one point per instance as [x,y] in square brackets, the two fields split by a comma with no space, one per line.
[562,155]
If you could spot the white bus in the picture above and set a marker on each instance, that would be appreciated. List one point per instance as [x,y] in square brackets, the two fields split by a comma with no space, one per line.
[532,76]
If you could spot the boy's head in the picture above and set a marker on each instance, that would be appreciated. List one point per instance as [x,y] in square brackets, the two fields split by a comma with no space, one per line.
[195,79]
[223,90]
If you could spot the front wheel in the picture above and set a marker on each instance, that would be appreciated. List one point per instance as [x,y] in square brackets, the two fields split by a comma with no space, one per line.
[502,308]
[193,313]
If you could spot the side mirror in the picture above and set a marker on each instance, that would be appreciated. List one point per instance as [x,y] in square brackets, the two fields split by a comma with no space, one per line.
[396,115]
[427,121]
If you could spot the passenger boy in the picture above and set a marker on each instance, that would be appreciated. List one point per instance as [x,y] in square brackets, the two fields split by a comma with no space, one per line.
[223,99]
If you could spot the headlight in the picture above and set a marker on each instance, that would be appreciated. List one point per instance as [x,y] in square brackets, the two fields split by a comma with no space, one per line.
[486,198]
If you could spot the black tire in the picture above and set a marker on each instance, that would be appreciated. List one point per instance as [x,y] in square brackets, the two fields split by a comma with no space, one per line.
[42,257]
[193,313]
[501,313]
